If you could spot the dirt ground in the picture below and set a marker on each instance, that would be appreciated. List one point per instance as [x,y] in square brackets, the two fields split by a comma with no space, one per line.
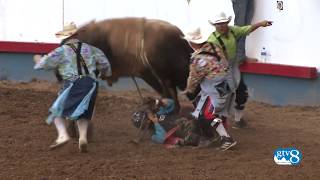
[25,137]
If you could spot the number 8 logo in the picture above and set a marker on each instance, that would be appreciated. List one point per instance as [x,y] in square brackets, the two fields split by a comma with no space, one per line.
[294,159]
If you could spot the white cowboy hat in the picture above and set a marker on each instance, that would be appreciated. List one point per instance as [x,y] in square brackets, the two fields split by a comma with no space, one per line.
[220,18]
[196,36]
[68,30]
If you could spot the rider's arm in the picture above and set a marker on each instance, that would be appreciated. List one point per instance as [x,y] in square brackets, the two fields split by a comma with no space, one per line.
[159,134]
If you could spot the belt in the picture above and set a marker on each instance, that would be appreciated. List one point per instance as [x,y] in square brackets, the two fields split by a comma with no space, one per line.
[75,77]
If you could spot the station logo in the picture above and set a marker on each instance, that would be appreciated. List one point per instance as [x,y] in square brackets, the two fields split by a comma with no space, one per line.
[287,156]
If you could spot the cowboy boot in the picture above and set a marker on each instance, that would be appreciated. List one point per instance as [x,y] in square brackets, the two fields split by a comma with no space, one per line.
[83,131]
[239,122]
[63,136]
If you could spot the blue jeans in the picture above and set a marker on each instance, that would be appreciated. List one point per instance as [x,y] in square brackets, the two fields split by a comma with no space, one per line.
[243,11]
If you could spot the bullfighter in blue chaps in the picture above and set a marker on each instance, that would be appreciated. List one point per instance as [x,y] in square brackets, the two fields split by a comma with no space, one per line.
[76,99]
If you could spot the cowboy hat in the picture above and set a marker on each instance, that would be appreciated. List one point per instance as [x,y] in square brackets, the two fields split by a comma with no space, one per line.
[196,36]
[220,18]
[68,30]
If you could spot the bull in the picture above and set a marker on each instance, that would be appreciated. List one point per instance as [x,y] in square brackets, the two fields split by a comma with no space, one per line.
[153,50]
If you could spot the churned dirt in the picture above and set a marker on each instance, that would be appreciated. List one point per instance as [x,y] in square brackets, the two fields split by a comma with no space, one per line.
[25,137]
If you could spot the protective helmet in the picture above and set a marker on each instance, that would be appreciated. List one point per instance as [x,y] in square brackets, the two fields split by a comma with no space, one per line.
[139,119]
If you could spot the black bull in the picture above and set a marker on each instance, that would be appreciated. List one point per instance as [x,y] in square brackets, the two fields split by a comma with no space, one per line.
[153,50]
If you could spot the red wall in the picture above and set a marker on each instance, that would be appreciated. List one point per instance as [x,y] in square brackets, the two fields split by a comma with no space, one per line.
[280,70]
[26,47]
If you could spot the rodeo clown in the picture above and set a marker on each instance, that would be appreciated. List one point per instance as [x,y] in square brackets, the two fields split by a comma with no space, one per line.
[210,69]
[226,37]
[76,62]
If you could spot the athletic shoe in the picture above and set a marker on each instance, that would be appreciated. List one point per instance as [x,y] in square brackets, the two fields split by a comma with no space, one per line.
[240,124]
[227,143]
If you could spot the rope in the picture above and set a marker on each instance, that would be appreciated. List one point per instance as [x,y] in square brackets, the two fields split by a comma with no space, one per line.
[144,58]
[138,89]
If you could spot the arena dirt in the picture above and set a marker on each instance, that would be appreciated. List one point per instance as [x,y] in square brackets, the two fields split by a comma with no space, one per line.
[25,137]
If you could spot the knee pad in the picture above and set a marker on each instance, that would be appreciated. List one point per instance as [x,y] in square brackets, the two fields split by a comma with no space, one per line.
[241,96]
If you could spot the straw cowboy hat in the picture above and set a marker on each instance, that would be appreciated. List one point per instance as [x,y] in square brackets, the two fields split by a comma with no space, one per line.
[68,30]
[220,18]
[196,36]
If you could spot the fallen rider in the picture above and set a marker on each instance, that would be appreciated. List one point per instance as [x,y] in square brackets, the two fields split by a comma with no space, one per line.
[165,126]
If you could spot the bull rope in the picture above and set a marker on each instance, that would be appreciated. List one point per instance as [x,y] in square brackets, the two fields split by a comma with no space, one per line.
[145,62]
[138,89]
[144,58]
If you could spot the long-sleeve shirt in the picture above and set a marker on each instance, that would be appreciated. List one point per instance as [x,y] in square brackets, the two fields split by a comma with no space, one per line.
[65,59]
[230,40]
[159,134]
[205,65]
